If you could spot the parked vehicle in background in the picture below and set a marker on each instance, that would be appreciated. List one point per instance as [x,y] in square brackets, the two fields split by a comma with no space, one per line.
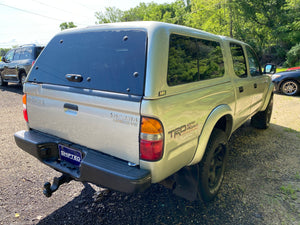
[287,82]
[293,68]
[140,103]
[16,64]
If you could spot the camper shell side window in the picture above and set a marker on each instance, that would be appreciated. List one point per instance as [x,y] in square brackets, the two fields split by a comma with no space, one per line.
[193,59]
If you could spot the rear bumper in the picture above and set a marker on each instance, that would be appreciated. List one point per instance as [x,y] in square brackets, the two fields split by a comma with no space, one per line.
[95,167]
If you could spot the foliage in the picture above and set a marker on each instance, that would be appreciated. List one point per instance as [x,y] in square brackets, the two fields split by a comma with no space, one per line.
[170,13]
[211,15]
[67,25]
[111,15]
[3,51]
[293,56]
[271,27]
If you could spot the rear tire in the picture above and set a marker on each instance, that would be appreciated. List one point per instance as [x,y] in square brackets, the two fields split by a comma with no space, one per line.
[2,83]
[212,166]
[22,78]
[261,120]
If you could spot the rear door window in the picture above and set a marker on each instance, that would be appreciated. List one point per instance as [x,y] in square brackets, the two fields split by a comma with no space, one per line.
[18,53]
[239,61]
[27,53]
[107,60]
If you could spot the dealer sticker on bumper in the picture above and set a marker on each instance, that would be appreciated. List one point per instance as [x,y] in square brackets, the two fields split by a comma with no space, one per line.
[70,155]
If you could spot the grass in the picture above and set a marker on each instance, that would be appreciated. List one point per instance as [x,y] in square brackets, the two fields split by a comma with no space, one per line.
[297,176]
[280,70]
[289,130]
[289,191]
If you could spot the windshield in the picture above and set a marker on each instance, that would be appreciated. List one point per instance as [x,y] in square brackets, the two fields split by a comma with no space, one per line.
[107,60]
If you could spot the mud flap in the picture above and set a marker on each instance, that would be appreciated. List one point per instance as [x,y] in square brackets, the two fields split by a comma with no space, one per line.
[186,183]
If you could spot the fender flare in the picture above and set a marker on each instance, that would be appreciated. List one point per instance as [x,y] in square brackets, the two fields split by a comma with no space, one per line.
[268,95]
[210,123]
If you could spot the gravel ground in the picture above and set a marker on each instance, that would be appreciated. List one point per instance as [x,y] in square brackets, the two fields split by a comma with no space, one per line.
[261,186]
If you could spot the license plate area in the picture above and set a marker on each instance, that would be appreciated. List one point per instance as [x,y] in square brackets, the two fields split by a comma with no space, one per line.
[70,155]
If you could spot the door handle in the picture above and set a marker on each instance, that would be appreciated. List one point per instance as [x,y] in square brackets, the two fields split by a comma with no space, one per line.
[255,85]
[68,106]
[241,89]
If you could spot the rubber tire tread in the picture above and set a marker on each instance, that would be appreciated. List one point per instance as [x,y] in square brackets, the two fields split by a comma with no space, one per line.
[217,137]
[20,78]
[3,83]
[260,120]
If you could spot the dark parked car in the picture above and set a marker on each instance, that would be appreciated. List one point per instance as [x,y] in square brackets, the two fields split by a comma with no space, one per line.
[15,65]
[287,82]
[293,68]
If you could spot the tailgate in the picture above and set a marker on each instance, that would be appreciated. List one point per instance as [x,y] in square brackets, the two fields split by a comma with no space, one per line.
[106,122]
[86,87]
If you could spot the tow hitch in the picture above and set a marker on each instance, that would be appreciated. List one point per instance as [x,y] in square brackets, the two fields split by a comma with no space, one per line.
[57,181]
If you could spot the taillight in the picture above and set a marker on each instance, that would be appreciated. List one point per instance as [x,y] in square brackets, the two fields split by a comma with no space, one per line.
[151,139]
[32,62]
[25,108]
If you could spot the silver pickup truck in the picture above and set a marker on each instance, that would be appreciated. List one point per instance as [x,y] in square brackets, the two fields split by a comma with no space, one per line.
[129,104]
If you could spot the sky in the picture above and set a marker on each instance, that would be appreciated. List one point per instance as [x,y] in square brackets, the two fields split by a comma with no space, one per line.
[37,21]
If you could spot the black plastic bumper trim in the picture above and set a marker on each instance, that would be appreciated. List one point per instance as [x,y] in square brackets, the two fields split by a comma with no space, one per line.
[96,167]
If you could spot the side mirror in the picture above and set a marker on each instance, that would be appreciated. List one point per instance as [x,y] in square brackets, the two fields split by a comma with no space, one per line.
[270,68]
[3,59]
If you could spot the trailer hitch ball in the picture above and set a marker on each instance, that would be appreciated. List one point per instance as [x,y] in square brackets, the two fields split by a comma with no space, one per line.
[47,189]
[57,181]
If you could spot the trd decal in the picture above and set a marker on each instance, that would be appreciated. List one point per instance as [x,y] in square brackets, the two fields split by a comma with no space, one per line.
[184,129]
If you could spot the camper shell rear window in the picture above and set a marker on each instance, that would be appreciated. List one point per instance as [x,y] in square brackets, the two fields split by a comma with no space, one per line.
[107,60]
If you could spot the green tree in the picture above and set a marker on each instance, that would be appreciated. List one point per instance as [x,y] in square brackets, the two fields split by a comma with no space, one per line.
[210,15]
[3,51]
[111,15]
[67,25]
[171,13]
[293,56]
[272,27]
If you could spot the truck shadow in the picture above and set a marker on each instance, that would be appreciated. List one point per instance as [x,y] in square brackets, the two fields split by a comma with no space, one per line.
[16,88]
[254,155]
[155,206]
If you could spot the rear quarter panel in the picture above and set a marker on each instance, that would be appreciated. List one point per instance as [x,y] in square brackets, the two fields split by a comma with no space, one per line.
[183,117]
[182,109]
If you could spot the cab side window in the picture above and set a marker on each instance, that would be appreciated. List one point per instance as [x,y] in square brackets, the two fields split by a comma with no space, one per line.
[255,69]
[239,61]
